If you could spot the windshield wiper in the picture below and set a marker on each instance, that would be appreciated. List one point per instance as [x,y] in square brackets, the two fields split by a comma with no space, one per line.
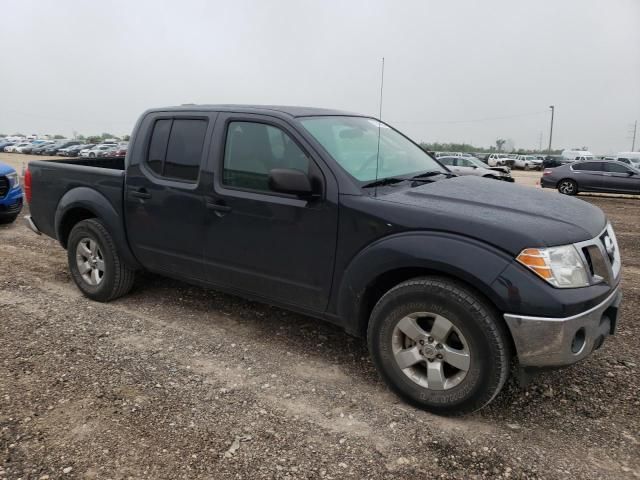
[385,181]
[432,173]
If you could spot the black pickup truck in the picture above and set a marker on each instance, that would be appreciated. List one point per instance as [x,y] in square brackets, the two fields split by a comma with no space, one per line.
[343,218]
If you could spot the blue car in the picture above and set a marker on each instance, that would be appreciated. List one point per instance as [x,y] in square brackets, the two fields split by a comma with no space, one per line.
[10,194]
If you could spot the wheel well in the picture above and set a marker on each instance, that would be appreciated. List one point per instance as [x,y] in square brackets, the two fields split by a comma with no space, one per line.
[70,219]
[385,282]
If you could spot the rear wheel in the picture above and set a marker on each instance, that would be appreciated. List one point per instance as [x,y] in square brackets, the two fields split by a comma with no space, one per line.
[567,186]
[95,264]
[439,346]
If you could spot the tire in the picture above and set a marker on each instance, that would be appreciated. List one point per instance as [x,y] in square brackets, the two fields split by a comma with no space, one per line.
[566,186]
[476,331]
[8,219]
[116,278]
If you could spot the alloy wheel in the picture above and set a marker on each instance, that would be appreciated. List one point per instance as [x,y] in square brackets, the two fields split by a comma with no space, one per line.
[431,351]
[90,261]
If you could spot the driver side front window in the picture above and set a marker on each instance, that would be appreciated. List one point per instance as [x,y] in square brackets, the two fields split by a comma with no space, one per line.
[253,149]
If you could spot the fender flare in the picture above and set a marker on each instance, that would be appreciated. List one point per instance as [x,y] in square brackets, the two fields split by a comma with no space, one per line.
[471,261]
[93,201]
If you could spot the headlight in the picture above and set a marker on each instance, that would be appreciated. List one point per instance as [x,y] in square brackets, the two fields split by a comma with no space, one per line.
[14,180]
[561,266]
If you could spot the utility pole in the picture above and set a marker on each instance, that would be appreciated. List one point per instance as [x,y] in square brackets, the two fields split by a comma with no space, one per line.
[635,129]
[540,143]
[552,107]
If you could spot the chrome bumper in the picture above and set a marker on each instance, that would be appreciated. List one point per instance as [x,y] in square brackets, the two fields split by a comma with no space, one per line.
[554,342]
[31,225]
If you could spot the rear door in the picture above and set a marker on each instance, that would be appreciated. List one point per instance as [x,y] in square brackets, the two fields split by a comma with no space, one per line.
[272,245]
[620,178]
[589,175]
[164,202]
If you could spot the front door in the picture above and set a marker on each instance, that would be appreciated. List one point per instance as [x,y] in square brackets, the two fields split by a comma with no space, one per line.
[164,201]
[620,178]
[272,245]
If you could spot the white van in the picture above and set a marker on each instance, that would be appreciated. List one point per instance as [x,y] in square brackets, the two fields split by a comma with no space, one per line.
[575,155]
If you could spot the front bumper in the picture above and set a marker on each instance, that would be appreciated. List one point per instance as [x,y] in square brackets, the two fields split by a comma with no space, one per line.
[11,205]
[555,342]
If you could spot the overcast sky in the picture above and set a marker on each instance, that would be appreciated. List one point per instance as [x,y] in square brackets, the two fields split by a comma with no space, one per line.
[455,71]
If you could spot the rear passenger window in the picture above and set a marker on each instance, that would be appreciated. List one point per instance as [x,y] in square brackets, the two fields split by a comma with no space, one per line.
[176,148]
[589,167]
[252,150]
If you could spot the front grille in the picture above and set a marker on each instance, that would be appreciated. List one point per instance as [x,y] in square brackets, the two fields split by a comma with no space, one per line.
[4,186]
[602,255]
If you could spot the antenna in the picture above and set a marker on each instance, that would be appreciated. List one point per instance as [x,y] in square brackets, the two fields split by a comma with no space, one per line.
[375,193]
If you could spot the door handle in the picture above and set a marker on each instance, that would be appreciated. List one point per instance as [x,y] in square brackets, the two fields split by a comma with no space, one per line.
[140,193]
[219,208]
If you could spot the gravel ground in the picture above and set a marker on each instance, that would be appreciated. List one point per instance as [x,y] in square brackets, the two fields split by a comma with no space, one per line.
[174,381]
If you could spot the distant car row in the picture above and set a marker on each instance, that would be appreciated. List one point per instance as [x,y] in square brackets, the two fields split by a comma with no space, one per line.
[65,148]
[525,162]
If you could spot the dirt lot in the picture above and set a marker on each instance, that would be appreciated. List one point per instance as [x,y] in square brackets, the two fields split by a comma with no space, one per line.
[174,381]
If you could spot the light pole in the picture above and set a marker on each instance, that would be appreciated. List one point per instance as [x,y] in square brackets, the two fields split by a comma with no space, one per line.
[552,107]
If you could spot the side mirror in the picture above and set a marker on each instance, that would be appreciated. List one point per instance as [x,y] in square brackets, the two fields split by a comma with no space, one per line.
[474,166]
[289,180]
[630,173]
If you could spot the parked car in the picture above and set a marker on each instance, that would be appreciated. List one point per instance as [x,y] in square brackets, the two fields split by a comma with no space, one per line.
[94,151]
[630,161]
[552,161]
[527,162]
[593,176]
[630,158]
[14,148]
[39,150]
[10,194]
[500,159]
[4,145]
[473,166]
[55,148]
[343,218]
[75,150]
[34,146]
[120,151]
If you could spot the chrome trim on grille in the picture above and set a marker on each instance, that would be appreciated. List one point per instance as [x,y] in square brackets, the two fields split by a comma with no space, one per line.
[603,260]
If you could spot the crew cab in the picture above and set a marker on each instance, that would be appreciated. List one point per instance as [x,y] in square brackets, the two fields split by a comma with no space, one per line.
[343,218]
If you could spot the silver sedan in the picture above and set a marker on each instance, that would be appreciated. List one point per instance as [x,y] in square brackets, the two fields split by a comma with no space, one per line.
[473,166]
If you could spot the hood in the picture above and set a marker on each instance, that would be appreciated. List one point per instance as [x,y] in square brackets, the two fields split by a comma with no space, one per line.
[5,169]
[511,217]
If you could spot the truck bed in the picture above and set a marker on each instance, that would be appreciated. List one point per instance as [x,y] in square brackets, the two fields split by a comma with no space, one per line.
[51,180]
[112,163]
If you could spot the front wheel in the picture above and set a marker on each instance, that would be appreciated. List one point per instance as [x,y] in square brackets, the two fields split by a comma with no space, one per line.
[439,346]
[568,186]
[95,263]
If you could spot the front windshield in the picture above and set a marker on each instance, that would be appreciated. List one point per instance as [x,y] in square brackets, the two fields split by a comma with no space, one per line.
[353,143]
[477,162]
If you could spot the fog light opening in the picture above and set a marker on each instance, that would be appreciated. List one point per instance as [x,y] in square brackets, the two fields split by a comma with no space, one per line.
[578,341]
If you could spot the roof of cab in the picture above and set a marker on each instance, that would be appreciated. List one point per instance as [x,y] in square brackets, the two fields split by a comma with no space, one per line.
[289,111]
